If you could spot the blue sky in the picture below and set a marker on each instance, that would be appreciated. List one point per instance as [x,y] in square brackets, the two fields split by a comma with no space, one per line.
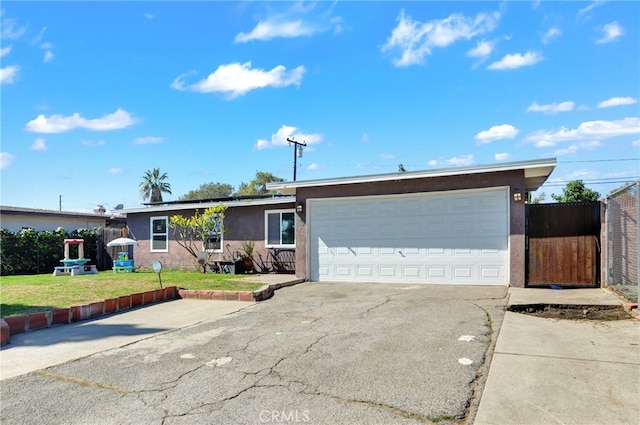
[94,94]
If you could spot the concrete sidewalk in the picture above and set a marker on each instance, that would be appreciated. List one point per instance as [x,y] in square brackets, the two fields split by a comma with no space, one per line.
[551,371]
[36,350]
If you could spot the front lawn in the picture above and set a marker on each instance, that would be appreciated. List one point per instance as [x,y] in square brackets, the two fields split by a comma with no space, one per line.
[28,294]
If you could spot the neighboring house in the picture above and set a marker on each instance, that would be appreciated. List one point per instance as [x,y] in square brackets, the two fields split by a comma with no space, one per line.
[266,220]
[463,225]
[17,218]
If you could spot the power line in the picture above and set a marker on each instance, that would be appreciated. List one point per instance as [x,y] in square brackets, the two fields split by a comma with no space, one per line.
[598,181]
[381,165]
[601,160]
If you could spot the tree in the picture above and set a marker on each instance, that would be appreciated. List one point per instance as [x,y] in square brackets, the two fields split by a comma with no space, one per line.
[538,199]
[575,191]
[258,186]
[627,189]
[153,185]
[194,233]
[209,191]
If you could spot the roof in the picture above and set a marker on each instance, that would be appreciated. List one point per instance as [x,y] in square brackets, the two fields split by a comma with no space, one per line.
[202,204]
[53,213]
[535,173]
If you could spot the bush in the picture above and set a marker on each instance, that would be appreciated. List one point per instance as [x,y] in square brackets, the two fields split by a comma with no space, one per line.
[30,252]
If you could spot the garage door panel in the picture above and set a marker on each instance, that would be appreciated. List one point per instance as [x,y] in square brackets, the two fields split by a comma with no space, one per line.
[412,272]
[436,272]
[463,272]
[489,272]
[428,238]
[365,271]
[388,271]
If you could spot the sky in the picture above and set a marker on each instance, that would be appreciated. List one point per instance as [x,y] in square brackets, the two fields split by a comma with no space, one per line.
[93,94]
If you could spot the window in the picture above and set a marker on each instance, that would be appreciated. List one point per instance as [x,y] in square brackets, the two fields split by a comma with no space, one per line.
[280,230]
[214,243]
[160,234]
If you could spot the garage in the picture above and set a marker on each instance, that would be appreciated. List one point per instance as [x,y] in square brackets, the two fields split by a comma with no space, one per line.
[460,225]
[451,237]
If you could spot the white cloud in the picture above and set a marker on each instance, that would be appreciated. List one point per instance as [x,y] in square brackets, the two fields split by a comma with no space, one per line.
[591,145]
[412,40]
[5,51]
[314,166]
[296,21]
[571,150]
[39,145]
[6,159]
[279,138]
[387,156]
[502,156]
[590,7]
[610,31]
[237,79]
[148,140]
[551,34]
[114,171]
[483,49]
[617,101]
[595,130]
[59,123]
[551,108]
[93,143]
[516,60]
[267,30]
[460,160]
[497,132]
[48,56]
[10,29]
[148,16]
[455,161]
[581,174]
[8,73]
[364,138]
[636,143]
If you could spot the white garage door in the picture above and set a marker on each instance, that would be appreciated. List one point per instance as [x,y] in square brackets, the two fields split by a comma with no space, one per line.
[458,237]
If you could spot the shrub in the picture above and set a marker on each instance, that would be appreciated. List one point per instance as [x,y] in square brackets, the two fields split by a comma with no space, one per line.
[33,252]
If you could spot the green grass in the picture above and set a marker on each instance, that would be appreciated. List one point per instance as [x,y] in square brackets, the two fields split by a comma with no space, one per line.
[28,294]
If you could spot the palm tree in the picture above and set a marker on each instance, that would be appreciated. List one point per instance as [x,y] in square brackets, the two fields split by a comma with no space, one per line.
[153,185]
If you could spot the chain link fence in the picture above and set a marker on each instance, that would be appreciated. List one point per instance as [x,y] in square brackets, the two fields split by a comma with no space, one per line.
[622,228]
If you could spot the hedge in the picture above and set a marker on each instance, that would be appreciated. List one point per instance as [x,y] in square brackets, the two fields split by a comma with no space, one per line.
[33,252]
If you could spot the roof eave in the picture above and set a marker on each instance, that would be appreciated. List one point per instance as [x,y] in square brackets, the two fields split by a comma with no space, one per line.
[536,173]
[205,205]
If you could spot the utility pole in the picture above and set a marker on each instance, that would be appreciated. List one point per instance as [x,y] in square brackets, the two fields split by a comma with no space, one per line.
[297,152]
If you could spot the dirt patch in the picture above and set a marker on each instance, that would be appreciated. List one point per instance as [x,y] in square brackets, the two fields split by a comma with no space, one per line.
[573,312]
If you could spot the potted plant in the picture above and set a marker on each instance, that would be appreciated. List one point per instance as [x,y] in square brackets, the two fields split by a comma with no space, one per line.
[247,255]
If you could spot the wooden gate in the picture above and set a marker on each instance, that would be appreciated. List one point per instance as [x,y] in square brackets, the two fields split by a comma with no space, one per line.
[563,244]
[105,254]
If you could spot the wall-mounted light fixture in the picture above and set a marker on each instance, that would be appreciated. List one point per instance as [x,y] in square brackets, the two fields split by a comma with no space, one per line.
[299,207]
[517,195]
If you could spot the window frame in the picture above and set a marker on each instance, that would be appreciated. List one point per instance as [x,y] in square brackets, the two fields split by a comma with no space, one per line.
[266,228]
[152,233]
[214,250]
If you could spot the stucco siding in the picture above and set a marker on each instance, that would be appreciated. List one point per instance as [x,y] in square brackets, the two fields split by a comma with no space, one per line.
[241,223]
[514,179]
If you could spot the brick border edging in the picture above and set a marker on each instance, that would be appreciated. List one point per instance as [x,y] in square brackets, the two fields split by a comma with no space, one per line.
[263,293]
[61,316]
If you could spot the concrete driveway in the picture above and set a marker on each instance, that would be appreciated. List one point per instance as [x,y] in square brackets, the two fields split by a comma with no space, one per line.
[316,353]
